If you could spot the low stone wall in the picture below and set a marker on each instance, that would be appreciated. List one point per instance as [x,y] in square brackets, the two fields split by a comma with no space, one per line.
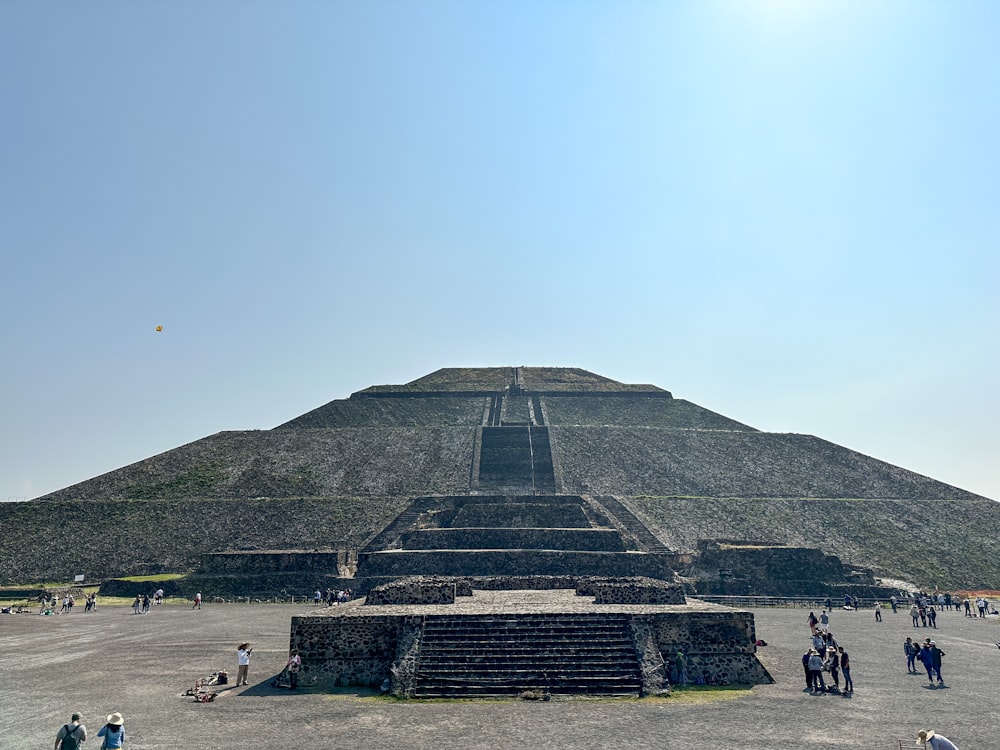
[413,591]
[719,647]
[637,591]
[339,651]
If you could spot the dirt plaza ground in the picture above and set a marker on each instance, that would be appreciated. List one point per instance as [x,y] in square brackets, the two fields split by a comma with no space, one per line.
[140,665]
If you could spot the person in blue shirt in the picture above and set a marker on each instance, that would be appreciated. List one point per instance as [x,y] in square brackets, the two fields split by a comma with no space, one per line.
[113,732]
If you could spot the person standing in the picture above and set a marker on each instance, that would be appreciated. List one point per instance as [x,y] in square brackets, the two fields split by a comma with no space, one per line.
[113,732]
[197,601]
[71,735]
[936,741]
[816,681]
[894,602]
[681,668]
[878,611]
[915,613]
[243,652]
[936,655]
[824,621]
[910,649]
[845,667]
[293,665]
[832,665]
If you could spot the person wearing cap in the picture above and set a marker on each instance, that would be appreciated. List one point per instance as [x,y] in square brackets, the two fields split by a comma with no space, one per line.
[930,738]
[71,735]
[242,663]
[113,732]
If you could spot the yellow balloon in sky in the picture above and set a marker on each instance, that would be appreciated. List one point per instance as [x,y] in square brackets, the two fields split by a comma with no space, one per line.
[159,328]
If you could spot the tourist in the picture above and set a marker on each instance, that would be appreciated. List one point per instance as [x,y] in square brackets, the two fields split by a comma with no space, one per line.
[832,665]
[925,658]
[829,604]
[816,681]
[317,597]
[113,732]
[968,607]
[243,663]
[293,665]
[936,655]
[681,668]
[71,735]
[845,667]
[936,741]
[878,612]
[145,604]
[158,597]
[812,622]
[197,601]
[824,620]
[932,616]
[910,649]
[893,602]
[136,605]
[805,668]
[915,613]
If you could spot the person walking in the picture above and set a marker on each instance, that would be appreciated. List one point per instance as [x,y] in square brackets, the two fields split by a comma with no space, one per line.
[243,652]
[924,656]
[878,611]
[113,732]
[71,735]
[197,601]
[928,737]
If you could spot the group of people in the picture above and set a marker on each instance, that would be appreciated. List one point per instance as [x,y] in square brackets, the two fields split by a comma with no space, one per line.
[825,655]
[112,734]
[332,597]
[928,654]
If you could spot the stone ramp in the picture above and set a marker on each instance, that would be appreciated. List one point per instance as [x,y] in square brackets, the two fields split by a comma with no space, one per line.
[504,655]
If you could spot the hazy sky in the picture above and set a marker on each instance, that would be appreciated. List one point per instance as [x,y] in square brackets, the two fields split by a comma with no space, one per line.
[786,212]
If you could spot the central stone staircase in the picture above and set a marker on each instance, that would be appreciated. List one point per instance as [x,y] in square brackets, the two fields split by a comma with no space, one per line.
[502,656]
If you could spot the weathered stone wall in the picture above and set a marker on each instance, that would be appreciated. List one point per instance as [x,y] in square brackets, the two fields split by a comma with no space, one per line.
[598,540]
[413,591]
[521,515]
[273,561]
[512,563]
[718,647]
[638,591]
[340,651]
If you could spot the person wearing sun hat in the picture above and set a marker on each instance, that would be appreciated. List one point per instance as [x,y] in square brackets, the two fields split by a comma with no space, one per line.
[113,732]
[929,738]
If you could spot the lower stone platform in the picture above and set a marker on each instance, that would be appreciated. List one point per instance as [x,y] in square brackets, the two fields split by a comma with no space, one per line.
[512,635]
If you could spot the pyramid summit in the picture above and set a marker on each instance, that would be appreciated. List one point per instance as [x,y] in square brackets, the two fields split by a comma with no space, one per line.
[675,474]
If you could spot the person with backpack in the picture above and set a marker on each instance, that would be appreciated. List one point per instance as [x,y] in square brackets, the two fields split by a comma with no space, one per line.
[71,735]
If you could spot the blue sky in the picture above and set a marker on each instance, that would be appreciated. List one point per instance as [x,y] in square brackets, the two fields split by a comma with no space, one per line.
[785,212]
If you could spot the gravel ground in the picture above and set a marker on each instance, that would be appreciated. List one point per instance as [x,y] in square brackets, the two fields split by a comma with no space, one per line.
[113,660]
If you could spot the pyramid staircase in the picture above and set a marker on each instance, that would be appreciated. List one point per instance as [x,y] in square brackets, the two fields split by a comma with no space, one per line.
[502,656]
